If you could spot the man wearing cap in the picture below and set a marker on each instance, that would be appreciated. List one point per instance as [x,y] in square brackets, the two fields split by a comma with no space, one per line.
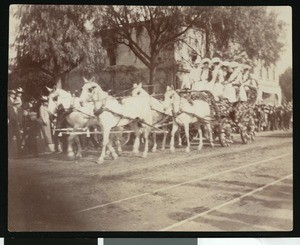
[45,123]
[19,108]
[204,76]
[14,137]
[10,104]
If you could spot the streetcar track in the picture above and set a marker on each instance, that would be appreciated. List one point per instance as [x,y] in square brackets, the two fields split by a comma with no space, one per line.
[182,183]
[182,222]
[182,161]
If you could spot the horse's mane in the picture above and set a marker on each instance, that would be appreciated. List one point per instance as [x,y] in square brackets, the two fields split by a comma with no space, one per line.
[62,92]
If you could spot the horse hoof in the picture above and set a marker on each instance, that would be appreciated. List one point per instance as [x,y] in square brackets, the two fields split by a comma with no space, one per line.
[153,150]
[172,150]
[144,155]
[114,156]
[212,145]
[162,149]
[71,154]
[187,150]
[199,148]
[100,160]
[78,155]
[136,153]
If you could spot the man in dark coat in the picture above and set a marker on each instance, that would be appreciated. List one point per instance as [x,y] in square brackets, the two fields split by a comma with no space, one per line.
[14,136]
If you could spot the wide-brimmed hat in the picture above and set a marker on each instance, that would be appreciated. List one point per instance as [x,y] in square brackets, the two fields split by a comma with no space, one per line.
[205,60]
[20,90]
[216,60]
[225,63]
[11,91]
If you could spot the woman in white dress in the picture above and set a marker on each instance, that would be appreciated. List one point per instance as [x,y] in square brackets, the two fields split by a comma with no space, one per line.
[245,82]
[203,76]
[215,85]
[216,74]
[219,85]
[235,78]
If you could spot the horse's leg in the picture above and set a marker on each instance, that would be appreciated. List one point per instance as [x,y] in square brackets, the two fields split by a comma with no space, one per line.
[187,135]
[70,146]
[154,142]
[164,139]
[210,135]
[174,130]
[79,150]
[118,143]
[105,142]
[136,144]
[179,138]
[200,138]
[112,150]
[146,136]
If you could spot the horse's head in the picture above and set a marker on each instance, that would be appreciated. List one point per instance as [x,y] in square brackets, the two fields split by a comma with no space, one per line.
[57,99]
[139,91]
[89,91]
[171,100]
[53,103]
[92,92]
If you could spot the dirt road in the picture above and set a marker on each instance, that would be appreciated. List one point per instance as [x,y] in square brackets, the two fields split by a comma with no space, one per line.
[241,188]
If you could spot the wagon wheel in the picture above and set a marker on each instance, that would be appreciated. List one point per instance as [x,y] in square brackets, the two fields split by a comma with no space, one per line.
[247,128]
[225,133]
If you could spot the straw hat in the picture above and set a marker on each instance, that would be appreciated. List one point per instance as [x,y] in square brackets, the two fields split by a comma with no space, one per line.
[205,60]
[216,60]
[225,63]
[20,90]
[11,91]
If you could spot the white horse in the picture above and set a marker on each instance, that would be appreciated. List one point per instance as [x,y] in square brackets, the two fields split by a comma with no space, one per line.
[186,113]
[159,115]
[80,117]
[133,111]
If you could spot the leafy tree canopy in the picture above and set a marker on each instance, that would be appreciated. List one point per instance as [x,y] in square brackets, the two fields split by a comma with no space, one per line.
[54,39]
[252,32]
[286,84]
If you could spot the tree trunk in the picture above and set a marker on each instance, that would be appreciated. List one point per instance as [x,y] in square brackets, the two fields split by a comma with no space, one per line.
[207,44]
[152,78]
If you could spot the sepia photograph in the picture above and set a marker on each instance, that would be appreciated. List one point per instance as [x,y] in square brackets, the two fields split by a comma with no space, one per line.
[150,118]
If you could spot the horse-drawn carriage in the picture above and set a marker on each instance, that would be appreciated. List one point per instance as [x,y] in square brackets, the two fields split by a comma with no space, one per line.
[227,118]
[145,114]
